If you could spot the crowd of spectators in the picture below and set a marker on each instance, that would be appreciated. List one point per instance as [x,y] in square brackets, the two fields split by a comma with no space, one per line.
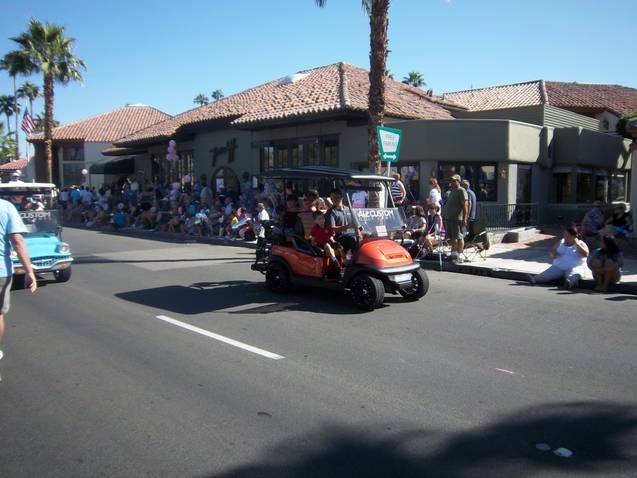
[186,208]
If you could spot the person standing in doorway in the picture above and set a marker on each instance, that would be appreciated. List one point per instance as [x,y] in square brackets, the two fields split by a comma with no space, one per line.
[11,229]
[456,214]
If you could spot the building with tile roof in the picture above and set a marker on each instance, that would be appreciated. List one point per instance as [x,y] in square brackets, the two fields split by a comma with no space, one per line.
[78,145]
[516,145]
[329,92]
[604,103]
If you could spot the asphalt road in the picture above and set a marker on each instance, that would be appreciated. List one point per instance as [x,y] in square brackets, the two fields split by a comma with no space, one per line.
[464,383]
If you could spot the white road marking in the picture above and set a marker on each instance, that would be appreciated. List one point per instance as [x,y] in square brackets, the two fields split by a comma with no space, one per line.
[242,307]
[221,338]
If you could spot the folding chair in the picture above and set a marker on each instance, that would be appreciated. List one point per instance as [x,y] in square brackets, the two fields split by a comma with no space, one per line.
[477,241]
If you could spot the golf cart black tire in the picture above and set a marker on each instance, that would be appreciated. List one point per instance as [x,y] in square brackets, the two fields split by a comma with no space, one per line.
[63,275]
[367,291]
[18,282]
[278,278]
[420,288]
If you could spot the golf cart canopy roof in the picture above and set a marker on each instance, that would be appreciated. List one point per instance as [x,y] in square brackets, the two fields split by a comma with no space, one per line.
[322,172]
[28,188]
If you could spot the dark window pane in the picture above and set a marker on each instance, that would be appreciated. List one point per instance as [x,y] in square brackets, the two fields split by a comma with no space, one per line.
[562,182]
[73,153]
[618,187]
[584,187]
[481,176]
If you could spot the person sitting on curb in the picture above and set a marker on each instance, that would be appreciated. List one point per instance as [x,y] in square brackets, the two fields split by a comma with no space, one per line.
[569,261]
[620,223]
[593,220]
[606,263]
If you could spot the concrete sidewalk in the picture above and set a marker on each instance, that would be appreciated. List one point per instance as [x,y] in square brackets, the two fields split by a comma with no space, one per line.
[517,261]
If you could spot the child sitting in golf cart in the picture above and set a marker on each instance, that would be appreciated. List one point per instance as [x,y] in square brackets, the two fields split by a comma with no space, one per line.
[323,236]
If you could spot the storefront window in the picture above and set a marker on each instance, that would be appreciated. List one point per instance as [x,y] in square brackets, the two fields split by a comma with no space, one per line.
[562,182]
[73,153]
[172,171]
[72,174]
[601,187]
[292,154]
[330,149]
[584,191]
[618,189]
[482,177]
[524,185]
[267,158]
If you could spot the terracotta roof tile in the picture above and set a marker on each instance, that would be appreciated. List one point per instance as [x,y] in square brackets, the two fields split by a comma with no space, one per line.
[333,88]
[108,127]
[15,165]
[582,97]
[499,97]
[592,97]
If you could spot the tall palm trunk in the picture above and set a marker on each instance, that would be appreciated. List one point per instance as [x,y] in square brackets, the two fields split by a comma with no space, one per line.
[48,125]
[378,22]
[17,114]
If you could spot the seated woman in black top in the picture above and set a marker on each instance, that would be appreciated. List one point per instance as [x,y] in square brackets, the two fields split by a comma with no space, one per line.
[620,223]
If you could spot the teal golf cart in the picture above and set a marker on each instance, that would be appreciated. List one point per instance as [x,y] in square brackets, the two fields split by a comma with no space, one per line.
[37,205]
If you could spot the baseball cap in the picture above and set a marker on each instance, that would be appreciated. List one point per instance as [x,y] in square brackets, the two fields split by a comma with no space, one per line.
[456,177]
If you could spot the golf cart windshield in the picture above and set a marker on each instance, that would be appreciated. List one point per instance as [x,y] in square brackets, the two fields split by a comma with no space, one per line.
[373,208]
[36,205]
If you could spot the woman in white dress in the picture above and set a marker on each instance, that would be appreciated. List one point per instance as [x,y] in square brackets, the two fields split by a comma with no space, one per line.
[435,193]
[569,261]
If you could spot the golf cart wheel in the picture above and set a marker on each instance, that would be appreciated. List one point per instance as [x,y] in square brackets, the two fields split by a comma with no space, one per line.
[277,278]
[62,275]
[367,292]
[419,286]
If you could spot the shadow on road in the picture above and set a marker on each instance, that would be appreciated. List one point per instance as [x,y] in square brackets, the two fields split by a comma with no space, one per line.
[601,436]
[203,297]
[621,298]
[104,260]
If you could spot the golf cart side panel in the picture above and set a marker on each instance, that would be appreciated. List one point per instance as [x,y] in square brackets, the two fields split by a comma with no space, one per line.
[301,263]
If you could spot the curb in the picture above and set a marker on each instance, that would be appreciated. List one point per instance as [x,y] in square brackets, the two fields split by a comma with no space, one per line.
[168,237]
[621,288]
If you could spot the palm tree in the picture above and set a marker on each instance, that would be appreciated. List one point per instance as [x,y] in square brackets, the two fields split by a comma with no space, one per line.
[415,79]
[15,64]
[216,95]
[201,99]
[50,52]
[378,22]
[389,74]
[7,108]
[7,146]
[30,92]
[38,121]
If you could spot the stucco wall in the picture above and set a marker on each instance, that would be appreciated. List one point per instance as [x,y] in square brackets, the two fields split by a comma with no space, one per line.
[582,147]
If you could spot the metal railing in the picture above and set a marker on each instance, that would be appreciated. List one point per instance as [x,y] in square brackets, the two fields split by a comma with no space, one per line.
[508,216]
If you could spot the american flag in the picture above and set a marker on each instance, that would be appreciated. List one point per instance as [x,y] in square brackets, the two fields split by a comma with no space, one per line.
[27,123]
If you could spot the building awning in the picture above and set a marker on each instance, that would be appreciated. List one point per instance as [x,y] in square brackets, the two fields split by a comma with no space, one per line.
[114,166]
[115,151]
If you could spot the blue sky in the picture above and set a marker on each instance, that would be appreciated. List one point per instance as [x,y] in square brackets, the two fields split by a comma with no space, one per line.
[163,53]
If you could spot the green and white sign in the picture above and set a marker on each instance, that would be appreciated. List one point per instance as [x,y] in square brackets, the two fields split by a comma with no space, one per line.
[389,142]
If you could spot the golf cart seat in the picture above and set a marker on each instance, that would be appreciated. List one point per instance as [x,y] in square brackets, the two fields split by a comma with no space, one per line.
[304,224]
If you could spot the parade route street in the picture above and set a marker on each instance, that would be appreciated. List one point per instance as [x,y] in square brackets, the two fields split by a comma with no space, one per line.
[173,360]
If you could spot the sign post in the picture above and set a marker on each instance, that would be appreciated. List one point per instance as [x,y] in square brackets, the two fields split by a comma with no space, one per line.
[389,144]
